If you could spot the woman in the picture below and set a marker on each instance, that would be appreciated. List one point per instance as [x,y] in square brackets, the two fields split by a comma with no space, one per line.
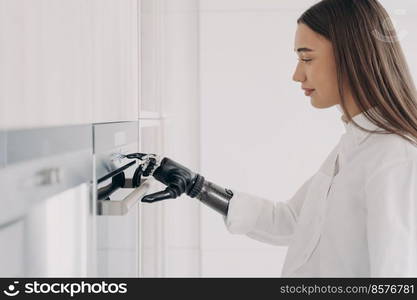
[357,216]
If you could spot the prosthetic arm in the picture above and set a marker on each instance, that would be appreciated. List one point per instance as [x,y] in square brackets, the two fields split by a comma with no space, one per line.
[179,180]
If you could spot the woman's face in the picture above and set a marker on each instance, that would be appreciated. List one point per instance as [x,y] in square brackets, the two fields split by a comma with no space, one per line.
[316,68]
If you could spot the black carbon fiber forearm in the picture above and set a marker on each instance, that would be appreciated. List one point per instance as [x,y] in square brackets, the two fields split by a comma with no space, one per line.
[215,197]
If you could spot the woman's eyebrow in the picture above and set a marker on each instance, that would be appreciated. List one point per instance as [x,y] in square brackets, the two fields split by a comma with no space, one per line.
[304,49]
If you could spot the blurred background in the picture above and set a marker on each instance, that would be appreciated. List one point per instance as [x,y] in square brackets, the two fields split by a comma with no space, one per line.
[207,83]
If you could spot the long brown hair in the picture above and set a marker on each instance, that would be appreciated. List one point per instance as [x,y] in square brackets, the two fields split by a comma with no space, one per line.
[369,58]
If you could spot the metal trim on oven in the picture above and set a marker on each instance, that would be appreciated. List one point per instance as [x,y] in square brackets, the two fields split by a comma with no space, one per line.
[42,162]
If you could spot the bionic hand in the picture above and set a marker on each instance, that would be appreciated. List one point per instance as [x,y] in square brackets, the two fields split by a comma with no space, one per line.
[179,180]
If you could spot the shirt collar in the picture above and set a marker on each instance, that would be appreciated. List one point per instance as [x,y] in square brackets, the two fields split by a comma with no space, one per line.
[357,134]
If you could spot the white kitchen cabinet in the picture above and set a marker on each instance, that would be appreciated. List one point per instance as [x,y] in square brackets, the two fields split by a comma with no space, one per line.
[68,62]
[12,249]
[115,42]
[46,51]
[58,228]
[170,96]
[55,228]
[151,58]
[151,236]
[2,73]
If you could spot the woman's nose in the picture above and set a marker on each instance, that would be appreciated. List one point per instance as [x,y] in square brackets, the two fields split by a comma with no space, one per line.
[298,75]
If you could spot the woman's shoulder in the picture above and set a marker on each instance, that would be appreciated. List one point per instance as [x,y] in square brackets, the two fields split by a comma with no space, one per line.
[389,148]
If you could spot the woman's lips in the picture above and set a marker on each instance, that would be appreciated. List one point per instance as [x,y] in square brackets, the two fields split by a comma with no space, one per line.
[308,92]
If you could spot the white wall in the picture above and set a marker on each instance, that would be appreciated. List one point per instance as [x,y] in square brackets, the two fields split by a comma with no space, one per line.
[403,14]
[259,132]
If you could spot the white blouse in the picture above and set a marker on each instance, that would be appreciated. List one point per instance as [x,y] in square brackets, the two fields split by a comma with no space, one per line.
[356,217]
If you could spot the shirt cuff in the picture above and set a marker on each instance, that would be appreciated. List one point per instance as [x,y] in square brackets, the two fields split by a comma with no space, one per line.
[244,210]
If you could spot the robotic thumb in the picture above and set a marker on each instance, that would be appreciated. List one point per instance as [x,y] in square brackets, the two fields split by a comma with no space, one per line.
[168,193]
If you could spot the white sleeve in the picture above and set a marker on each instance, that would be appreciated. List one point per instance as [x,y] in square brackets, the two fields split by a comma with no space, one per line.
[265,220]
[391,204]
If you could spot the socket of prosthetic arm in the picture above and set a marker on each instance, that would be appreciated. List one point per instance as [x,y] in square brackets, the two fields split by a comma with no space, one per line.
[215,197]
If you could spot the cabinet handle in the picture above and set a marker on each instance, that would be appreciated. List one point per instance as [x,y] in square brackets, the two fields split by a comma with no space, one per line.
[122,207]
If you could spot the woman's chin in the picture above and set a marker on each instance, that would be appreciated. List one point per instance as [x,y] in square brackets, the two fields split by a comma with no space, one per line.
[319,104]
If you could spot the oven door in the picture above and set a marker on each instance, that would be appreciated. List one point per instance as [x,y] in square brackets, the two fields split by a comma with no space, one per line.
[117,199]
